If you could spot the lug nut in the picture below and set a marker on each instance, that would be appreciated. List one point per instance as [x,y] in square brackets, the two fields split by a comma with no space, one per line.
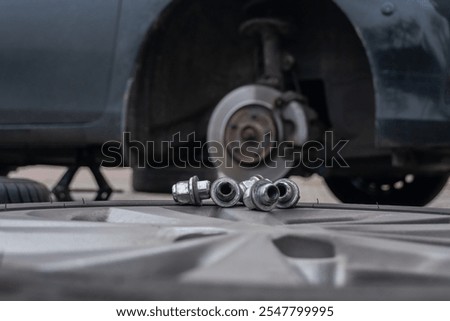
[263,196]
[225,192]
[289,193]
[191,192]
[245,185]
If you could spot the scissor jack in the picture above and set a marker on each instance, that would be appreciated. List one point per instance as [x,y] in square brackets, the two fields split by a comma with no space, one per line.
[63,192]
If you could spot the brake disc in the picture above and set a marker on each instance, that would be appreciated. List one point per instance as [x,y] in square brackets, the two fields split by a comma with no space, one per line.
[244,134]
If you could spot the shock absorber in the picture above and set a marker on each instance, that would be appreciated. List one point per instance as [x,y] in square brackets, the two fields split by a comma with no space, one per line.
[269,31]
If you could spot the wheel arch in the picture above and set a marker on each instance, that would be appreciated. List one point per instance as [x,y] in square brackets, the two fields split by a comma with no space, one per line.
[152,59]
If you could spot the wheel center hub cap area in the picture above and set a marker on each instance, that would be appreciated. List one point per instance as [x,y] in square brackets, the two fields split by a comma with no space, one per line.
[250,134]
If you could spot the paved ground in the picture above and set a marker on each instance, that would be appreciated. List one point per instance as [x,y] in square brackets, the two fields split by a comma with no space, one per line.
[313,189]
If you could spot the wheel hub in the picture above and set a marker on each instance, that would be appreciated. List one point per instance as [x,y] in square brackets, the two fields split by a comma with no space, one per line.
[247,127]
[253,128]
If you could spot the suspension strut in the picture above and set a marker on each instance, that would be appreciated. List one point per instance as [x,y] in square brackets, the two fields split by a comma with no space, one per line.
[269,32]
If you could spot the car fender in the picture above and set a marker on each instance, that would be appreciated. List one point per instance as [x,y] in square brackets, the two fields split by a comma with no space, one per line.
[407,44]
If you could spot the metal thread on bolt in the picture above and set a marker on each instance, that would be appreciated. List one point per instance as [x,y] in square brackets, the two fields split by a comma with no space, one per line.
[289,193]
[263,196]
[283,190]
[225,192]
[269,194]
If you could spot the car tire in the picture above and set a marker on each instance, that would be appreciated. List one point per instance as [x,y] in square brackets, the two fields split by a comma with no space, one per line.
[160,180]
[17,190]
[408,190]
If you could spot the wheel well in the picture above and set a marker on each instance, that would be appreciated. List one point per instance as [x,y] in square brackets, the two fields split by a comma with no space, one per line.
[194,55]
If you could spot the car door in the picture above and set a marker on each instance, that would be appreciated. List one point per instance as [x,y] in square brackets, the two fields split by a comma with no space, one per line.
[55,60]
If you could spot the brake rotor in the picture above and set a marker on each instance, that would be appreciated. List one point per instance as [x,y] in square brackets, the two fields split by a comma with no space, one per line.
[244,132]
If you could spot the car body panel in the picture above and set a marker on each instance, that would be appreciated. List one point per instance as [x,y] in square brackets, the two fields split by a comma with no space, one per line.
[102,118]
[55,60]
[408,46]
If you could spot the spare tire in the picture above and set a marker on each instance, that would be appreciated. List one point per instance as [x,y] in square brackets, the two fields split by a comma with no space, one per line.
[18,190]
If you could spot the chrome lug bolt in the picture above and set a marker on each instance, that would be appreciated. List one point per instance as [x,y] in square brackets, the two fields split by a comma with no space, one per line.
[225,192]
[263,196]
[191,192]
[289,193]
[245,185]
